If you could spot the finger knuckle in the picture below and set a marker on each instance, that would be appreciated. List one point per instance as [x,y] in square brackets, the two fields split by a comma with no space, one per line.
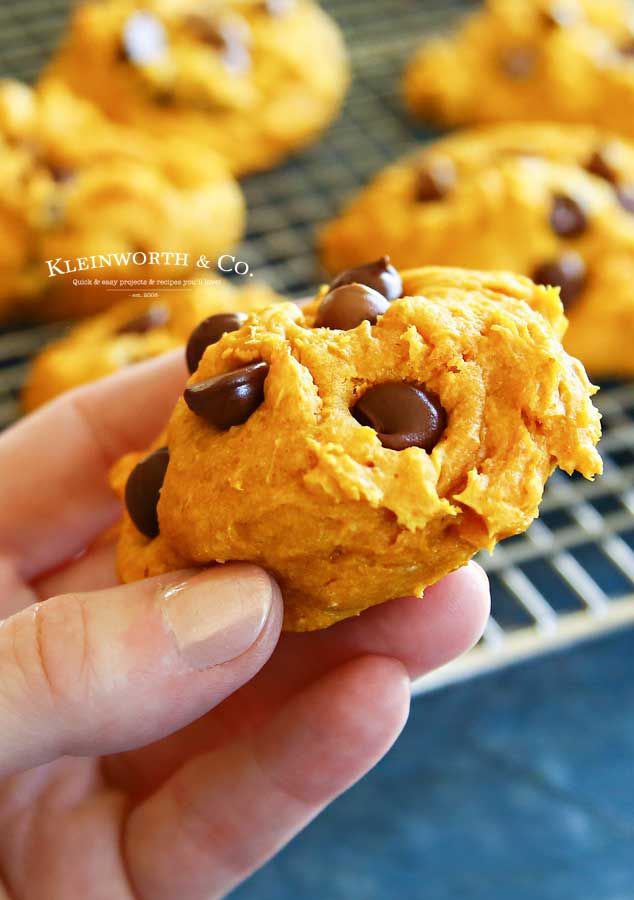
[54,652]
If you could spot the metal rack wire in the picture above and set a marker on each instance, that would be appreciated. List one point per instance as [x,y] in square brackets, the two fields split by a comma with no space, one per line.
[572,575]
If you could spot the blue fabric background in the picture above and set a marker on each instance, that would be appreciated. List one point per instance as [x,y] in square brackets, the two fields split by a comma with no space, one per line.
[517,786]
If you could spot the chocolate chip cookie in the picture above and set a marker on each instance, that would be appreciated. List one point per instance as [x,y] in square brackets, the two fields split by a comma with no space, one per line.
[367,445]
[135,330]
[555,203]
[252,79]
[564,60]
[74,185]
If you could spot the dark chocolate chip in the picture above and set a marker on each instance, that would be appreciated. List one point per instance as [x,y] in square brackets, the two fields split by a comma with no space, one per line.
[278,7]
[236,56]
[519,64]
[164,98]
[627,49]
[225,37]
[347,306]
[229,399]
[403,415]
[600,165]
[144,39]
[143,489]
[209,332]
[154,317]
[567,217]
[560,15]
[61,174]
[206,29]
[379,275]
[568,273]
[435,179]
[625,196]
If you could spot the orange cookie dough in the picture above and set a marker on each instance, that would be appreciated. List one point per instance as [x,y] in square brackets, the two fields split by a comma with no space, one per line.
[565,60]
[253,79]
[25,189]
[364,447]
[130,332]
[552,202]
[75,185]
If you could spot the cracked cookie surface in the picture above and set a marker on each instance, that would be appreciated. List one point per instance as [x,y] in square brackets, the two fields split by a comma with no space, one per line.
[365,463]
[555,203]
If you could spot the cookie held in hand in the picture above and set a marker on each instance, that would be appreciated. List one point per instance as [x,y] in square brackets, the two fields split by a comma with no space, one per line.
[365,462]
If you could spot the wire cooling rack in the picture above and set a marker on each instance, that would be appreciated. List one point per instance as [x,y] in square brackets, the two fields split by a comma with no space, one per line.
[571,576]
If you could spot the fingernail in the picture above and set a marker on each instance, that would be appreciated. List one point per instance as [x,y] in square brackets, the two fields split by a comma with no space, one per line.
[480,574]
[217,615]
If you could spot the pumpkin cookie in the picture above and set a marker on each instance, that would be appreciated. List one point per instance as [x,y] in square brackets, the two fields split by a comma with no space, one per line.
[252,79]
[565,60]
[75,185]
[367,445]
[135,330]
[552,202]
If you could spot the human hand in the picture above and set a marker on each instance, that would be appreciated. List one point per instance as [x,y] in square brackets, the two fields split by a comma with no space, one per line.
[161,740]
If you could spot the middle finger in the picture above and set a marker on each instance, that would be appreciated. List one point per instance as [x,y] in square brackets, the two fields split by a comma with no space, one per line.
[422,634]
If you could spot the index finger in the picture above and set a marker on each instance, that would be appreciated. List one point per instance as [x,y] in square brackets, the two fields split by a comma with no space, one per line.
[54,464]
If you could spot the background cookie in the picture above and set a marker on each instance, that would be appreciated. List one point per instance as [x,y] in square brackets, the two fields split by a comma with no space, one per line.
[552,202]
[129,332]
[75,184]
[252,79]
[25,187]
[565,60]
[360,461]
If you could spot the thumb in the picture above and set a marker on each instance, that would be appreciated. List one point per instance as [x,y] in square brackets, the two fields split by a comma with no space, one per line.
[96,673]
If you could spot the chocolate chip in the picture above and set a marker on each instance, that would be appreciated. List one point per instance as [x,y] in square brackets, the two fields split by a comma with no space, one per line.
[61,174]
[520,63]
[625,196]
[435,179]
[278,7]
[568,273]
[567,217]
[154,317]
[206,29]
[164,98]
[228,38]
[600,165]
[379,275]
[143,489]
[347,306]
[209,332]
[627,50]
[229,399]
[560,15]
[144,39]
[403,415]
